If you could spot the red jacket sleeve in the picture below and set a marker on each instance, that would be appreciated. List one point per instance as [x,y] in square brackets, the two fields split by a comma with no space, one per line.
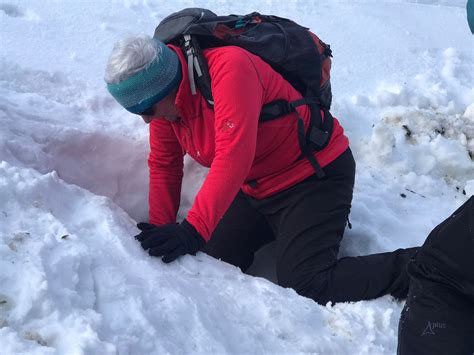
[238,97]
[166,173]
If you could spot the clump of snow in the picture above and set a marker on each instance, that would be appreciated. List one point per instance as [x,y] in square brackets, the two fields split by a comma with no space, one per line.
[427,124]
[425,143]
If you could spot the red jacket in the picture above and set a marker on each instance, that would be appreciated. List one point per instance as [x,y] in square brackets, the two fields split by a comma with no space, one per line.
[229,140]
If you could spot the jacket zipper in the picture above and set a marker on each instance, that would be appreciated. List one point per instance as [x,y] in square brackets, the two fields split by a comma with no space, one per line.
[190,143]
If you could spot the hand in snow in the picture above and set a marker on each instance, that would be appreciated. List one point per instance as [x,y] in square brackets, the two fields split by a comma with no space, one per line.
[170,240]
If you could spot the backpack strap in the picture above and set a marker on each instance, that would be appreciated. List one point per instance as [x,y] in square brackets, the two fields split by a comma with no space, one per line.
[321,138]
[189,53]
[321,129]
[319,132]
[274,110]
[197,65]
[305,151]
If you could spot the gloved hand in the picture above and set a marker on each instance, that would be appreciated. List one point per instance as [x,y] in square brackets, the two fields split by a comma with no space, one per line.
[170,240]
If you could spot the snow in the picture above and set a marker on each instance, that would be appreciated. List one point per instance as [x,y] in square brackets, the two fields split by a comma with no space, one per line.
[73,181]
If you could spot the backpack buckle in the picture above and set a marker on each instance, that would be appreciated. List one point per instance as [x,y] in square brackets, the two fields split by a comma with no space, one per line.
[187,41]
[318,137]
[275,109]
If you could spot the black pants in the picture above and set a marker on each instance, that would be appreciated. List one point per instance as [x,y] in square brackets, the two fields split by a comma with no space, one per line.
[438,317]
[308,221]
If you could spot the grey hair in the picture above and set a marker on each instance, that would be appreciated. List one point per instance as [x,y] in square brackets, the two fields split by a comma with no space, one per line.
[129,56]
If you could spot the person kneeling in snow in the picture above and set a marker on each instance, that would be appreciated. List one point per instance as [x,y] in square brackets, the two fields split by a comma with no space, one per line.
[258,188]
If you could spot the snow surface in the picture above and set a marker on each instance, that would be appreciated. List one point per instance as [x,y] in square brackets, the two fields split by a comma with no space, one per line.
[73,181]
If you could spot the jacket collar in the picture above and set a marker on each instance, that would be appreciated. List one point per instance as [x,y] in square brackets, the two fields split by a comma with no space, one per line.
[189,105]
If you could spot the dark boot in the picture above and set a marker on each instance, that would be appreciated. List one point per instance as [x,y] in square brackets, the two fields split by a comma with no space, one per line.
[438,317]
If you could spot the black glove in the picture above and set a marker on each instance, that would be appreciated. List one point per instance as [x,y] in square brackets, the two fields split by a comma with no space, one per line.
[169,240]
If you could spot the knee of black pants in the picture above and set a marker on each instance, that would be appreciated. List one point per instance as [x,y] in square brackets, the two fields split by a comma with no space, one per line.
[239,234]
[306,259]
[313,285]
[307,268]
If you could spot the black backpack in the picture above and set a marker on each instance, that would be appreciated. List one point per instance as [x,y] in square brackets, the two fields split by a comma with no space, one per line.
[292,50]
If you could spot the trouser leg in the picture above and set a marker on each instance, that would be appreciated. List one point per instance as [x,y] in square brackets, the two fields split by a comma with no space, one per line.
[309,221]
[436,320]
[438,317]
[239,234]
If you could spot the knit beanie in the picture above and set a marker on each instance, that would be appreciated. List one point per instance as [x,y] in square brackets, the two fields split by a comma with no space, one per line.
[150,85]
